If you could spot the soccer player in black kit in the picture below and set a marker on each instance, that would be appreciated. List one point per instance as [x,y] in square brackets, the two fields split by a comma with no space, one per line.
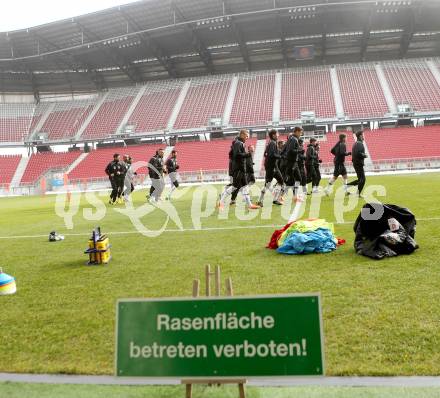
[278,189]
[250,174]
[128,178]
[317,165]
[116,172]
[172,167]
[292,150]
[339,151]
[231,176]
[302,166]
[312,160]
[271,158]
[358,157]
[155,171]
[239,170]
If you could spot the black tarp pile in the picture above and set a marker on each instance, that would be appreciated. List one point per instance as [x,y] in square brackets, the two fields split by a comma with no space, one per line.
[385,231]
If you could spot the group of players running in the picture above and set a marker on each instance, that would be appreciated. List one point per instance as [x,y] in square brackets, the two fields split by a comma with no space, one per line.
[288,163]
[121,175]
[291,166]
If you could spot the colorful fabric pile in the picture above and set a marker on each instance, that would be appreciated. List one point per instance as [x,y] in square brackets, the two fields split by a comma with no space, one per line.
[7,284]
[305,237]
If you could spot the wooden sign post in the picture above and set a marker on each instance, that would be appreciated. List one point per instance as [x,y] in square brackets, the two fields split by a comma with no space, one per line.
[196,293]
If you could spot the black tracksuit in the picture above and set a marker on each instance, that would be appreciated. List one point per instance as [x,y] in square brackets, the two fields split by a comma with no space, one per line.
[317,167]
[239,167]
[281,163]
[250,177]
[116,172]
[172,167]
[301,165]
[358,157]
[155,167]
[340,152]
[311,162]
[155,171]
[291,150]
[231,173]
[271,159]
[250,173]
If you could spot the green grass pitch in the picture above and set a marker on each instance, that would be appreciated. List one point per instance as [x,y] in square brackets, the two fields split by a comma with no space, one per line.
[380,317]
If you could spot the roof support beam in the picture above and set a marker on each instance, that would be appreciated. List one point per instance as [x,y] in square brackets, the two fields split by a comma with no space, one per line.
[34,84]
[324,44]
[366,35]
[284,46]
[283,39]
[239,37]
[58,59]
[150,45]
[282,35]
[95,77]
[125,66]
[197,43]
[324,17]
[28,73]
[408,33]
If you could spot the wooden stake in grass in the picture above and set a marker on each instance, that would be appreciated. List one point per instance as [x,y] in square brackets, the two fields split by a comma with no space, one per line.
[196,288]
[229,287]
[217,281]
[208,280]
[229,292]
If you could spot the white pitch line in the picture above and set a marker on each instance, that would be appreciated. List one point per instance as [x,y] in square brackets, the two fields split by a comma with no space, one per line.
[208,229]
[166,231]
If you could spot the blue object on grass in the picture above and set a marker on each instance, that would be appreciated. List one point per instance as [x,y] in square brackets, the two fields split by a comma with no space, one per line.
[5,279]
[319,241]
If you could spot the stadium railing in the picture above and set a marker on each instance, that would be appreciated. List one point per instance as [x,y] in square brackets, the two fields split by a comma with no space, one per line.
[202,176]
[208,176]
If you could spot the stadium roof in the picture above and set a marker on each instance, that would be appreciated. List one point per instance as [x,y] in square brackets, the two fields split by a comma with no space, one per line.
[159,39]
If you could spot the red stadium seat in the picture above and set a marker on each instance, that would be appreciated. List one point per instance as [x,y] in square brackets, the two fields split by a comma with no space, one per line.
[403,143]
[206,98]
[110,114]
[155,107]
[411,82]
[205,156]
[41,163]
[362,94]
[8,166]
[307,90]
[94,164]
[253,104]
[16,121]
[66,119]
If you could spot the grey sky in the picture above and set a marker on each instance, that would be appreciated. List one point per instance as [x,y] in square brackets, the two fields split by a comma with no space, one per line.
[20,14]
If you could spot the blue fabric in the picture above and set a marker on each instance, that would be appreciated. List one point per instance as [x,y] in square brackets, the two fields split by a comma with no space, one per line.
[319,241]
[5,279]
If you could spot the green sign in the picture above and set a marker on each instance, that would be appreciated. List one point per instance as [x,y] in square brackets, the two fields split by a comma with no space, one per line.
[224,337]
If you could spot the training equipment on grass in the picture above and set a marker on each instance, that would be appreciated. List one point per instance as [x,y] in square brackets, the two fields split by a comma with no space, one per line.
[55,237]
[99,248]
[305,237]
[385,231]
[7,284]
